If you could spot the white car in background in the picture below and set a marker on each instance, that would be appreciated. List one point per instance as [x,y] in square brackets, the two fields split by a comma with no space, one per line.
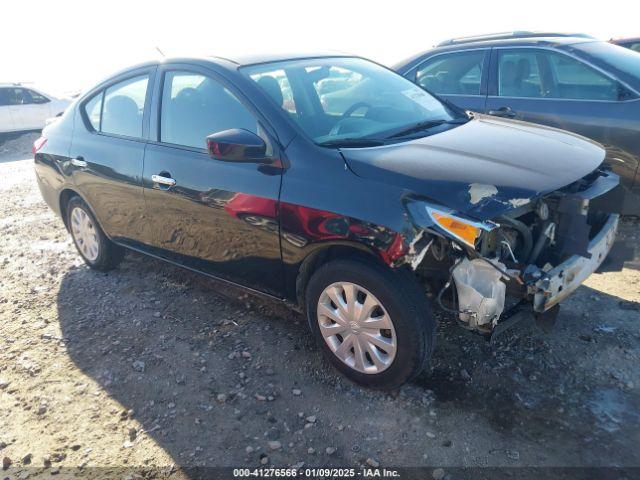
[25,108]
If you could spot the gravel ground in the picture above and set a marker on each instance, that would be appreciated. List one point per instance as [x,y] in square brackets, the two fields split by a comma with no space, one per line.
[153,366]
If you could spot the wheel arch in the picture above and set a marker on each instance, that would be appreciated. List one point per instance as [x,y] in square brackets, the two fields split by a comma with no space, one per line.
[66,194]
[327,253]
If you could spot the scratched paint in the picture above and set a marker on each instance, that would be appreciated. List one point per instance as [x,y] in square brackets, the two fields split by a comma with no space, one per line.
[478,191]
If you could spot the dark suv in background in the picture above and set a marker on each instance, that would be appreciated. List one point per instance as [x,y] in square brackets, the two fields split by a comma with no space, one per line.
[632,43]
[573,82]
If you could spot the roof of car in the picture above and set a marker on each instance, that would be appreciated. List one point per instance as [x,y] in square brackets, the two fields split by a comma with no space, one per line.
[238,60]
[252,58]
[492,41]
[248,58]
[510,36]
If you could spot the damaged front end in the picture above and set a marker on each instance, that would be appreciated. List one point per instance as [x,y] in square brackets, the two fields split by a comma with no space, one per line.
[535,254]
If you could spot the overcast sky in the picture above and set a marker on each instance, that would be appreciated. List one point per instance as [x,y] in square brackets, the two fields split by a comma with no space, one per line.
[68,45]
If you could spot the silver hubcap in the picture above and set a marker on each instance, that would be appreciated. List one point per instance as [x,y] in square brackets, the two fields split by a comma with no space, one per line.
[84,234]
[356,327]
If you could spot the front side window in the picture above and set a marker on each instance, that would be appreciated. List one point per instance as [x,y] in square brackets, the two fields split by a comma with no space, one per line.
[276,84]
[348,98]
[124,107]
[452,73]
[195,106]
[572,79]
[540,73]
[519,74]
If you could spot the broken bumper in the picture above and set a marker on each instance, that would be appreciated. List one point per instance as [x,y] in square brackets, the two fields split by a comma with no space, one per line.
[564,279]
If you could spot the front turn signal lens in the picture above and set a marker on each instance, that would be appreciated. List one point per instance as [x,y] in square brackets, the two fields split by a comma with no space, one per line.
[463,230]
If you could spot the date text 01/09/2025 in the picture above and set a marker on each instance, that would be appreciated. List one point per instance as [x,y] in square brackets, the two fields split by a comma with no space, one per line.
[315,472]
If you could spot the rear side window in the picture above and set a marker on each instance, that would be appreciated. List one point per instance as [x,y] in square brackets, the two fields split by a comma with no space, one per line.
[195,106]
[452,73]
[123,107]
[36,97]
[93,111]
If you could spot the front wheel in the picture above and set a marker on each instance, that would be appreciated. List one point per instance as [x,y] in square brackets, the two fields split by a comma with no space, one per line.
[94,247]
[374,324]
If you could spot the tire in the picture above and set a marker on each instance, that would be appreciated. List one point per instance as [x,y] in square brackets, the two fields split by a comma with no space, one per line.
[103,255]
[407,312]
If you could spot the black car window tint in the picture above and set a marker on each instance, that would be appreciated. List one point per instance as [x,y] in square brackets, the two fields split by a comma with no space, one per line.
[276,84]
[123,107]
[519,74]
[93,111]
[452,74]
[573,79]
[195,106]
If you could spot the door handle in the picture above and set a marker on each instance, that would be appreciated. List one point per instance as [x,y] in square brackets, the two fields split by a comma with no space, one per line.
[505,112]
[78,162]
[163,180]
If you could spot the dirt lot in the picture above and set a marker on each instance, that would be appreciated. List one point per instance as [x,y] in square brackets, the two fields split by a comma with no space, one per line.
[151,365]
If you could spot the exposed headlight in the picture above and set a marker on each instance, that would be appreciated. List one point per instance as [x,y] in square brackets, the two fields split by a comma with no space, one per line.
[464,230]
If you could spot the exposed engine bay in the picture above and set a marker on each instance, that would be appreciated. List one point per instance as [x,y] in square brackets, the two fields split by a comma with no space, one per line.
[535,254]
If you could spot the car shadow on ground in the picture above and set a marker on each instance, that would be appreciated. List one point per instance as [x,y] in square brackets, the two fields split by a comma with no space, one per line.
[625,251]
[209,371]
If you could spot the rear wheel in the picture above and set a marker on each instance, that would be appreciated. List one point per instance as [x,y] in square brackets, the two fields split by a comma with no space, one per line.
[374,324]
[94,247]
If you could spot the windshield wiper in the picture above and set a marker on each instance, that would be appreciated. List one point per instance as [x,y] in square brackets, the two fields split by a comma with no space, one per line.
[426,125]
[352,142]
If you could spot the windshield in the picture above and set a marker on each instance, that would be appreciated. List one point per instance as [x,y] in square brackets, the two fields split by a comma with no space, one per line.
[346,100]
[606,55]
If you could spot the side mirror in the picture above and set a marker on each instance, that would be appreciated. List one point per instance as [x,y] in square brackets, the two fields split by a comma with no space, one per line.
[237,145]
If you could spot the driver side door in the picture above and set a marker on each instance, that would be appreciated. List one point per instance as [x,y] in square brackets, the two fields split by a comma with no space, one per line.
[217,217]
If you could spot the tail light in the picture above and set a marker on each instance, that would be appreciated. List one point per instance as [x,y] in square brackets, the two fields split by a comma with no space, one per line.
[38,144]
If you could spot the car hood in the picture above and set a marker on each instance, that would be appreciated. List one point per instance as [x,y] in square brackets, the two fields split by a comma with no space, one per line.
[482,168]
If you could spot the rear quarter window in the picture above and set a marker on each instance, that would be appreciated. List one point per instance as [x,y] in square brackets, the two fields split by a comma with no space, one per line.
[93,111]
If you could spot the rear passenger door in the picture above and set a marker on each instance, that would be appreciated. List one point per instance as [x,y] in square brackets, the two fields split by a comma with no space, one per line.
[214,216]
[459,77]
[107,153]
[552,88]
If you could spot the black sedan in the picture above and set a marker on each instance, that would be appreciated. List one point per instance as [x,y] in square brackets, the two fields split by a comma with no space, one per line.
[573,82]
[335,184]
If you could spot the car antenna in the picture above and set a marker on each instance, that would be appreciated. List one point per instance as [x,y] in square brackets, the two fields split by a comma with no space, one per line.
[160,51]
